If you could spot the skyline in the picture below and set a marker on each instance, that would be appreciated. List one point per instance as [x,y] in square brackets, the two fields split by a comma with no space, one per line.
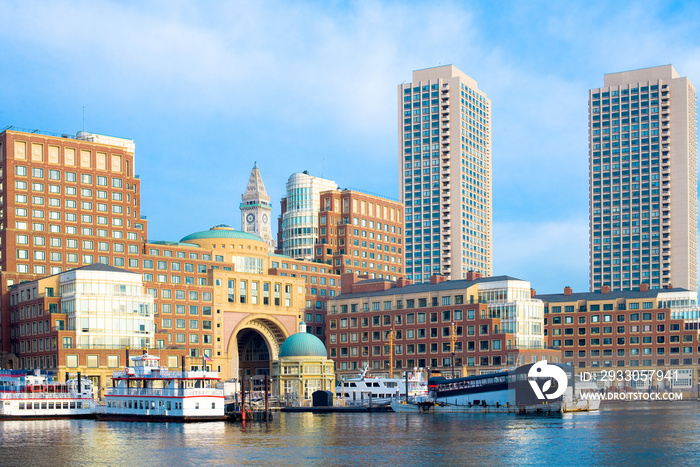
[140,73]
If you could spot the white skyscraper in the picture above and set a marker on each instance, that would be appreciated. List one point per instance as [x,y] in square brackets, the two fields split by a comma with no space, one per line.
[445,174]
[643,180]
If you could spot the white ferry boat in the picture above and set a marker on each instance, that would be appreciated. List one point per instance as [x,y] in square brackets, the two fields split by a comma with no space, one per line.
[36,396]
[382,390]
[501,392]
[149,392]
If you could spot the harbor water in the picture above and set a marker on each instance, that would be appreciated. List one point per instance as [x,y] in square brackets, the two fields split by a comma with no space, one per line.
[619,434]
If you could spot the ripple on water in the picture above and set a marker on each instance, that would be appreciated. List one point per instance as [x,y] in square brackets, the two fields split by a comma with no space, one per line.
[651,434]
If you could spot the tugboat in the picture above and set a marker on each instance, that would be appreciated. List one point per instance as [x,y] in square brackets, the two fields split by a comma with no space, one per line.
[151,393]
[34,396]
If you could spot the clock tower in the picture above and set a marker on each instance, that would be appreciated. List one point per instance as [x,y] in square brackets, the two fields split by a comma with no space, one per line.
[256,209]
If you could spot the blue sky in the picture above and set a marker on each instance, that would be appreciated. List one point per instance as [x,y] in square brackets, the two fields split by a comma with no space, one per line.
[207,88]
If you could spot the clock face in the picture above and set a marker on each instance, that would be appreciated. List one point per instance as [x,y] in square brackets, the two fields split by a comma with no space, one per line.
[250,218]
[265,218]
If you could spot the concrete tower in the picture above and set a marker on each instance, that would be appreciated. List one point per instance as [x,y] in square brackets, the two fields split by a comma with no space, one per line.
[643,181]
[445,174]
[256,209]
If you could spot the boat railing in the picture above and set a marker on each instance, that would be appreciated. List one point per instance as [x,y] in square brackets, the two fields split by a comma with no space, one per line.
[164,392]
[42,395]
[165,374]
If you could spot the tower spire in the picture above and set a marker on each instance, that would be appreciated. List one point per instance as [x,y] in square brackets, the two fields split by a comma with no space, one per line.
[256,208]
[255,191]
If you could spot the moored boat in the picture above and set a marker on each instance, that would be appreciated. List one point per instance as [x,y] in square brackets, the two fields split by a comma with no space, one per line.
[149,392]
[364,387]
[501,392]
[34,396]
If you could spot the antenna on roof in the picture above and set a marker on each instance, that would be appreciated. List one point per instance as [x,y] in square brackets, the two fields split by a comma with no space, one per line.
[83,118]
[323,168]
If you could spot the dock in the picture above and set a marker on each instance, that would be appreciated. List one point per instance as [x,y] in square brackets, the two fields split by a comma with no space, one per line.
[348,409]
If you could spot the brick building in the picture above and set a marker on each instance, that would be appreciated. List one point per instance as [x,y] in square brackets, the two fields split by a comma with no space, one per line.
[640,329]
[424,318]
[361,233]
[66,202]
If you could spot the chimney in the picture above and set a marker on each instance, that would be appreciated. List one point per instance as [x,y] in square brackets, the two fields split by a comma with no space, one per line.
[643,287]
[533,293]
[605,289]
[568,290]
[347,279]
[473,275]
[437,278]
[402,282]
[669,286]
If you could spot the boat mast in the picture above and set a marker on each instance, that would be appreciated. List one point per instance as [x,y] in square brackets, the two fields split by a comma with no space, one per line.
[453,339]
[391,353]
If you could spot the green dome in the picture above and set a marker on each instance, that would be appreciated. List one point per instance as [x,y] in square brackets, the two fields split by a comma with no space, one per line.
[303,344]
[221,231]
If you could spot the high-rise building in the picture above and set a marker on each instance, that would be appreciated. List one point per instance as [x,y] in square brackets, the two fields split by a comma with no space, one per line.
[256,208]
[67,201]
[445,174]
[643,181]
[361,233]
[298,222]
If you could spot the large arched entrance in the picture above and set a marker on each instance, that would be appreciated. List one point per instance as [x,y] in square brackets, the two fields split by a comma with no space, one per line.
[253,354]
[253,344]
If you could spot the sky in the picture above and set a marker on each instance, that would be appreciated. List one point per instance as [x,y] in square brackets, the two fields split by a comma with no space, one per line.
[206,89]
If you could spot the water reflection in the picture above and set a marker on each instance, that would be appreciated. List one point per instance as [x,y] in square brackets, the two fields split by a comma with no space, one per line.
[618,435]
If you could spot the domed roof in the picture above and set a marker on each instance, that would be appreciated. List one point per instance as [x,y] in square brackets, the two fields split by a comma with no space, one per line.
[303,344]
[221,231]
